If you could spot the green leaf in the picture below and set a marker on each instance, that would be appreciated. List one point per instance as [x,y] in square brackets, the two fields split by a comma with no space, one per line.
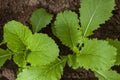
[116,44]
[19,59]
[67,28]
[39,19]
[43,49]
[72,62]
[51,71]
[53,29]
[107,75]
[15,34]
[4,55]
[93,13]
[96,55]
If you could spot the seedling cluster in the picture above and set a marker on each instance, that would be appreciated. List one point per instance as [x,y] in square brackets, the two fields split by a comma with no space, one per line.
[42,53]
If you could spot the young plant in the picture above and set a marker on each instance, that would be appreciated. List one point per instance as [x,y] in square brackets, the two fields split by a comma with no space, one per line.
[35,54]
[73,31]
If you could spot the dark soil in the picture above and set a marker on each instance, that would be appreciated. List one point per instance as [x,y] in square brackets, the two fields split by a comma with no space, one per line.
[21,10]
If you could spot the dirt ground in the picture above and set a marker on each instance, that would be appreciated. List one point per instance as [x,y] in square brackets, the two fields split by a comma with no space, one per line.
[21,10]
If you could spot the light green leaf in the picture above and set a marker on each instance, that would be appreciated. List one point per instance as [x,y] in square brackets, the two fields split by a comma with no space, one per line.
[4,55]
[72,61]
[15,34]
[96,54]
[116,44]
[39,19]
[19,59]
[67,28]
[51,71]
[107,75]
[93,13]
[53,29]
[43,49]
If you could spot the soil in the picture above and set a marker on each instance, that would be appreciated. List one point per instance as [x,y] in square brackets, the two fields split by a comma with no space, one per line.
[21,10]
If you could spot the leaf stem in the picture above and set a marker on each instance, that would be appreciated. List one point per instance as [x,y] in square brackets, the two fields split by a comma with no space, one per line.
[2,43]
[91,18]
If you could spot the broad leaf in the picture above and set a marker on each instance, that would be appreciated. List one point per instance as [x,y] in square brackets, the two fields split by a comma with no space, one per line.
[107,75]
[19,59]
[39,19]
[93,13]
[116,44]
[4,55]
[67,28]
[51,71]
[15,34]
[96,54]
[43,49]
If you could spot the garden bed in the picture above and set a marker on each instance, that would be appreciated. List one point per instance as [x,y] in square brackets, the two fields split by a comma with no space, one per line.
[21,10]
